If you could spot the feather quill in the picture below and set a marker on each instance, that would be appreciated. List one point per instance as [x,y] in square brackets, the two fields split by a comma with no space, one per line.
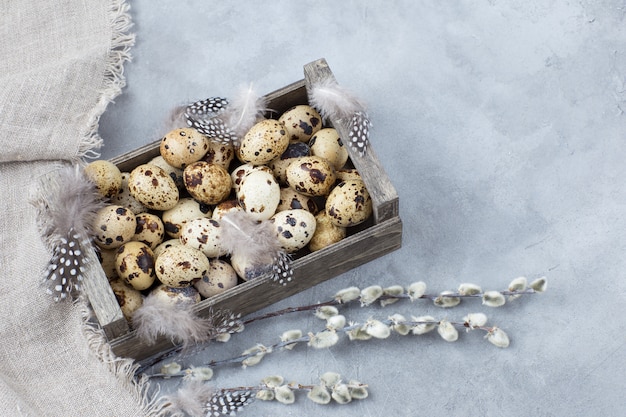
[66,204]
[177,321]
[227,121]
[335,102]
[256,242]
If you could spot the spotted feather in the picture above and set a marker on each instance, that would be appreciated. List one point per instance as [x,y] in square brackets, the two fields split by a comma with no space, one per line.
[358,135]
[228,403]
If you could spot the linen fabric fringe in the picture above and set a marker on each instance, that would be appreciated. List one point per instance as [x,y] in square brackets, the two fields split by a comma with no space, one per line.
[62,64]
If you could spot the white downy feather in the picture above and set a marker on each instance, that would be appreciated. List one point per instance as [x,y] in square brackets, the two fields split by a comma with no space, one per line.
[244,110]
[334,101]
[177,321]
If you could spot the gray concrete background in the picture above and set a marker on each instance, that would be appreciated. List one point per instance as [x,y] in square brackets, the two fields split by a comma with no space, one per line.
[502,126]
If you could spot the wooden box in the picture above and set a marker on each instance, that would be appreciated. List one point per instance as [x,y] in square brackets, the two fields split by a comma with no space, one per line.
[379,236]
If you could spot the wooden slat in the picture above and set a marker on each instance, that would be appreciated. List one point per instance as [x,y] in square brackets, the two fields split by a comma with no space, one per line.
[102,300]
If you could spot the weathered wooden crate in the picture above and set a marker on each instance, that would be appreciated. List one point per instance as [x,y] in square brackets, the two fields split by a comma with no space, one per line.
[379,236]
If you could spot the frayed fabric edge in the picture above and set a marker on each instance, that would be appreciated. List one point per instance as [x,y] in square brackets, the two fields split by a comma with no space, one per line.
[114,81]
[151,403]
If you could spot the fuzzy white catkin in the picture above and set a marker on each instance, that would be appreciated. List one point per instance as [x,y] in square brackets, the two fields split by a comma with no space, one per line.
[447,331]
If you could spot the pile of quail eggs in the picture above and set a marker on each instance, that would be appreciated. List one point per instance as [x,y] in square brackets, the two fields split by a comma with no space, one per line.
[160,230]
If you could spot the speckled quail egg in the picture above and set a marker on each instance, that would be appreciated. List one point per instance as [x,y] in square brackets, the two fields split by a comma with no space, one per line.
[183,295]
[259,195]
[327,144]
[226,207]
[266,140]
[134,263]
[107,262]
[203,234]
[123,197]
[238,174]
[149,230]
[246,269]
[280,164]
[207,183]
[186,209]
[127,297]
[153,187]
[301,122]
[326,233]
[106,176]
[180,266]
[221,277]
[164,245]
[311,175]
[294,228]
[181,147]
[113,226]
[349,203]
[291,199]
[175,174]
[220,154]
[347,174]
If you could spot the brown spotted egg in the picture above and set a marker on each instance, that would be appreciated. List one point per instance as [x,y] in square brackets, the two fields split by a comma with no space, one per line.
[221,277]
[301,122]
[107,262]
[238,174]
[149,230]
[280,164]
[153,187]
[186,209]
[127,297]
[171,295]
[106,176]
[123,197]
[259,195]
[207,183]
[246,269]
[181,147]
[175,173]
[326,233]
[113,226]
[134,263]
[347,174]
[349,204]
[180,266]
[220,154]
[311,175]
[204,235]
[226,207]
[266,140]
[291,199]
[166,244]
[327,144]
[294,228]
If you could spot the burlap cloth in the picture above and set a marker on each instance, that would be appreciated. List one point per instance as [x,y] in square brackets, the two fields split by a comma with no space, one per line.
[61,63]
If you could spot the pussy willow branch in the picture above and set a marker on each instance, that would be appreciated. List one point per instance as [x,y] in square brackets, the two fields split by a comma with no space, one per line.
[333,302]
[263,350]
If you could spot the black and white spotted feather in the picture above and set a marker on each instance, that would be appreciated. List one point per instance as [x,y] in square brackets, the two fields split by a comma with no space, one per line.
[228,403]
[335,102]
[66,204]
[226,121]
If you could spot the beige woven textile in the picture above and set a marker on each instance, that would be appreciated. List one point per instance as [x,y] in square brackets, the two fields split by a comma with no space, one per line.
[61,63]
